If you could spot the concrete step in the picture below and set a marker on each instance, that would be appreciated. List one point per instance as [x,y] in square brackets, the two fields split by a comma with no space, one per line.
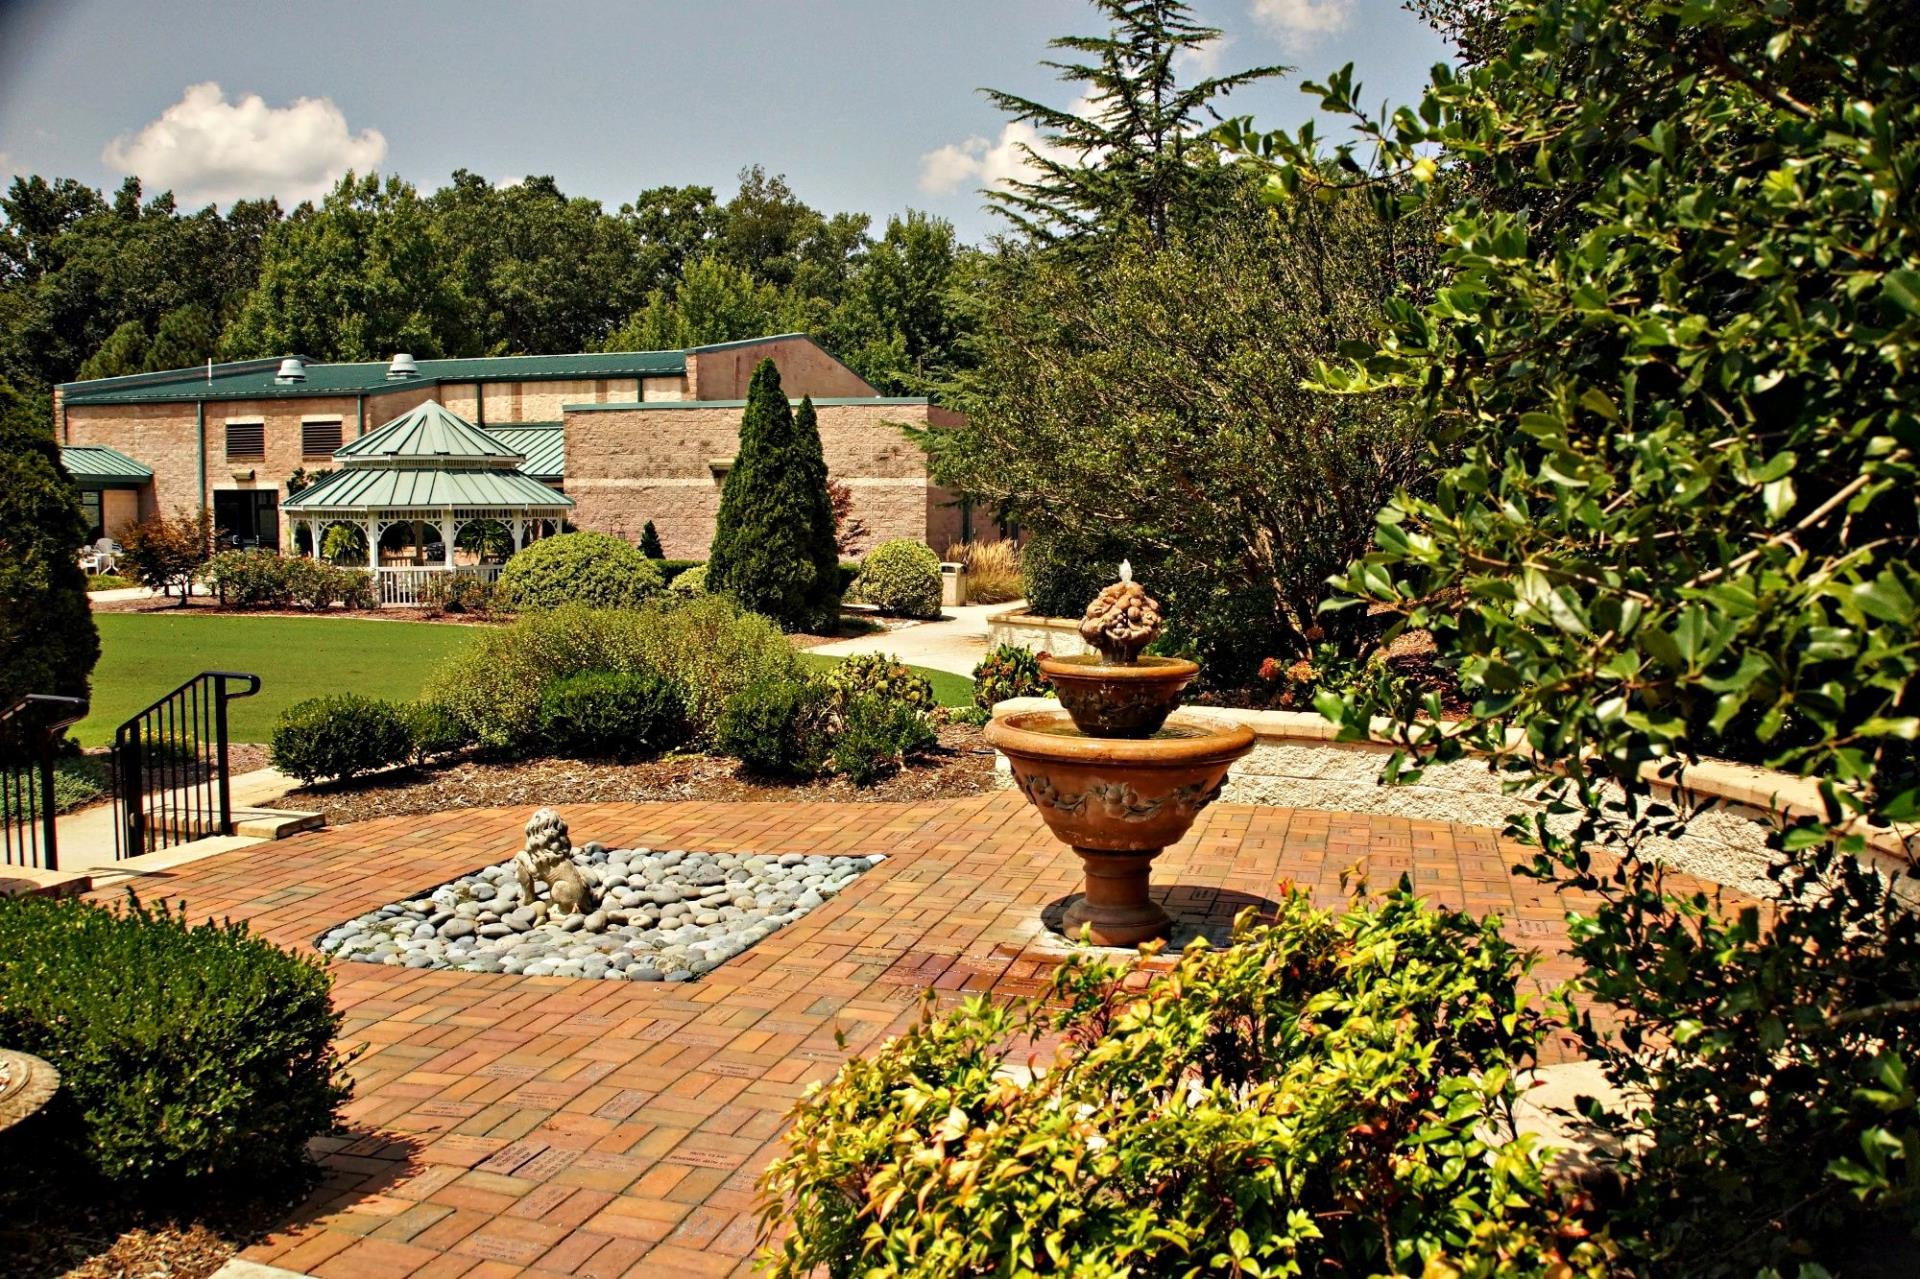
[258,823]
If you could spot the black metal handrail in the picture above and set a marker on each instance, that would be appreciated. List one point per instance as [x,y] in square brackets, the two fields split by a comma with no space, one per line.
[30,729]
[171,781]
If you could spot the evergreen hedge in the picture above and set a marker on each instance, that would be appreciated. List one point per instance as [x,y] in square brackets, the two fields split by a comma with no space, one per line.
[47,639]
[773,542]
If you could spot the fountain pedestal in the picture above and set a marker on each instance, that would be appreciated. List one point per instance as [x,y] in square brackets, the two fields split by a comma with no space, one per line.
[1115,908]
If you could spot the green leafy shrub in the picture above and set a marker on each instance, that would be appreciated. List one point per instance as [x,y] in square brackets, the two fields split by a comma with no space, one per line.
[78,780]
[435,729]
[592,569]
[708,648]
[883,676]
[185,1053]
[1328,1095]
[773,539]
[781,728]
[48,643]
[459,593]
[1008,670]
[109,582]
[876,736]
[341,736]
[611,714]
[1064,574]
[971,716]
[690,583]
[901,578]
[250,579]
[671,569]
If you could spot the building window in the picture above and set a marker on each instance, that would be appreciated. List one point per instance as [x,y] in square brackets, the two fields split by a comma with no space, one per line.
[319,438]
[247,440]
[90,503]
[247,518]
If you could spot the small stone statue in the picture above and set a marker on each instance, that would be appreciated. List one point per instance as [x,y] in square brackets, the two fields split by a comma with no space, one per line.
[548,857]
[1122,620]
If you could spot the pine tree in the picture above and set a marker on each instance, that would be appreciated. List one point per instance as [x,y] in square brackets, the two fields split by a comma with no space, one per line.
[1130,150]
[773,539]
[650,543]
[47,639]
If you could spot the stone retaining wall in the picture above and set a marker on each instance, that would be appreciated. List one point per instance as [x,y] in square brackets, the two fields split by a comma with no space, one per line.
[1296,764]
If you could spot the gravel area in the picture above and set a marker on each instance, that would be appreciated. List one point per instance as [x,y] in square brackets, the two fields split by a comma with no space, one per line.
[651,916]
[962,764]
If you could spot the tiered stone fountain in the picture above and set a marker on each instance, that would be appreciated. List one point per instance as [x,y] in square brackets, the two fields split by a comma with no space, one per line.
[1116,775]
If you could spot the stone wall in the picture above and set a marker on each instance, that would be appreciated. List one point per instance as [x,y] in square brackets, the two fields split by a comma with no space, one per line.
[1057,635]
[635,463]
[1730,809]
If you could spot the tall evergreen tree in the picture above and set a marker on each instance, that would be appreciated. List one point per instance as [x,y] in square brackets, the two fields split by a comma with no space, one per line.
[47,639]
[773,545]
[650,543]
[1130,150]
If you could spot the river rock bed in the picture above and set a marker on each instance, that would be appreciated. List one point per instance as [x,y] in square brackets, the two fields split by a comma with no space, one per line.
[662,916]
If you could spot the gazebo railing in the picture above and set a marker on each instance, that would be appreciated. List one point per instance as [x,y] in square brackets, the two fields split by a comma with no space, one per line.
[412,584]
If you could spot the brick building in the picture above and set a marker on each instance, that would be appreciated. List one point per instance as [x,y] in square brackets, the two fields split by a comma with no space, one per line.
[629,436]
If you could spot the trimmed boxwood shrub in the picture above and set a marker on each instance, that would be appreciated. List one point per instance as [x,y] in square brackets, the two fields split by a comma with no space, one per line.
[901,578]
[435,729]
[876,736]
[690,583]
[250,579]
[185,1053]
[880,675]
[672,569]
[618,714]
[779,728]
[341,736]
[594,569]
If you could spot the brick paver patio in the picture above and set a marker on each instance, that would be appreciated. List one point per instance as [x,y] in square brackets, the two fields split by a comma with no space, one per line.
[512,1126]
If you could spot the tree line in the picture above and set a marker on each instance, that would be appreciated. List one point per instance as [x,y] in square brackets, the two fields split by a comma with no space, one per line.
[99,286]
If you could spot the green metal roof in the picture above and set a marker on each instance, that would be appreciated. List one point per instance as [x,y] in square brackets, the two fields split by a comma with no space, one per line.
[543,444]
[428,431]
[98,464]
[255,379]
[373,488]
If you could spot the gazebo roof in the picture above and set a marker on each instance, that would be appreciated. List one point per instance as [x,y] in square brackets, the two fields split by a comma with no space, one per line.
[368,488]
[429,432]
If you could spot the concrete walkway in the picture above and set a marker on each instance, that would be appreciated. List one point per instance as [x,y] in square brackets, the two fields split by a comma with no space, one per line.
[955,643]
[87,846]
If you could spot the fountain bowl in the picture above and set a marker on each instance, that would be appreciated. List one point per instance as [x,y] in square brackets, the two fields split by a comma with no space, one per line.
[1117,802]
[1119,700]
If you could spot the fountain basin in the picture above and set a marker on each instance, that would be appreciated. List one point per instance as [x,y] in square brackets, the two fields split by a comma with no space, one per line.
[1114,700]
[1118,802]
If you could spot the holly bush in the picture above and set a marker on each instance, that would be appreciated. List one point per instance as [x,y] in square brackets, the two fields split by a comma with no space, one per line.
[1330,1094]
[1671,371]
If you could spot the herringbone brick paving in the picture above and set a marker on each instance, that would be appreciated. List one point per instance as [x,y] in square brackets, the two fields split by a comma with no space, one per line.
[511,1126]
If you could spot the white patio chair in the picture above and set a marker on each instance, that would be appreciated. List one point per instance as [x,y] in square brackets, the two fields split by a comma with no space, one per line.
[106,553]
[89,561]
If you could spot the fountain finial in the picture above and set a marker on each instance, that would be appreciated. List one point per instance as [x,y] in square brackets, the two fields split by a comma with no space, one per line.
[1122,620]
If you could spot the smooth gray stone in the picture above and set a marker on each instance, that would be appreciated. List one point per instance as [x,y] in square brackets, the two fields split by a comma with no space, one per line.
[496,930]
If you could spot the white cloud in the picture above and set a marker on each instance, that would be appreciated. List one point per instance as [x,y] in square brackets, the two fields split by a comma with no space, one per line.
[991,162]
[1203,60]
[204,147]
[1299,23]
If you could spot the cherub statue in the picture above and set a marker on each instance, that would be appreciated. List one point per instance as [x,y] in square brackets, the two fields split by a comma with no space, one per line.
[1122,620]
[548,857]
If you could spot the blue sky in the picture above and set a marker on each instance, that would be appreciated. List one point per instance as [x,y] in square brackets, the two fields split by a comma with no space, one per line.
[866,105]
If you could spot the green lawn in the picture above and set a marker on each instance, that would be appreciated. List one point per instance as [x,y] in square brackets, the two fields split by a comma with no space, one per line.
[144,656]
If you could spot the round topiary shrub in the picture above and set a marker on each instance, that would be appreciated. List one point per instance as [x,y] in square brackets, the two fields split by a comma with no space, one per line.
[186,1054]
[1008,671]
[876,736]
[779,728]
[883,676]
[594,569]
[901,578]
[341,736]
[690,583]
[611,714]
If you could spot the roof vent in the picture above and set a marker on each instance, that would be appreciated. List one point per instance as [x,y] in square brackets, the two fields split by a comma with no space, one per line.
[402,367]
[291,370]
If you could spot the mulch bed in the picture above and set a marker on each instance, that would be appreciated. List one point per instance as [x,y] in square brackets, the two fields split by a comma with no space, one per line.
[207,605]
[961,765]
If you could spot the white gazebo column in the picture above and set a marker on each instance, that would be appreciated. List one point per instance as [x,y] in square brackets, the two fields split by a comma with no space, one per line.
[446,537]
[519,532]
[373,545]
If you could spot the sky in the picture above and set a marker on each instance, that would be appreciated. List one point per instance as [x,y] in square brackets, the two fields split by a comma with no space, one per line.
[864,105]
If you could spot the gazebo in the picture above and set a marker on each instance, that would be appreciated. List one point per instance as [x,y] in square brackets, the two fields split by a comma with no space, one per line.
[427,476]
